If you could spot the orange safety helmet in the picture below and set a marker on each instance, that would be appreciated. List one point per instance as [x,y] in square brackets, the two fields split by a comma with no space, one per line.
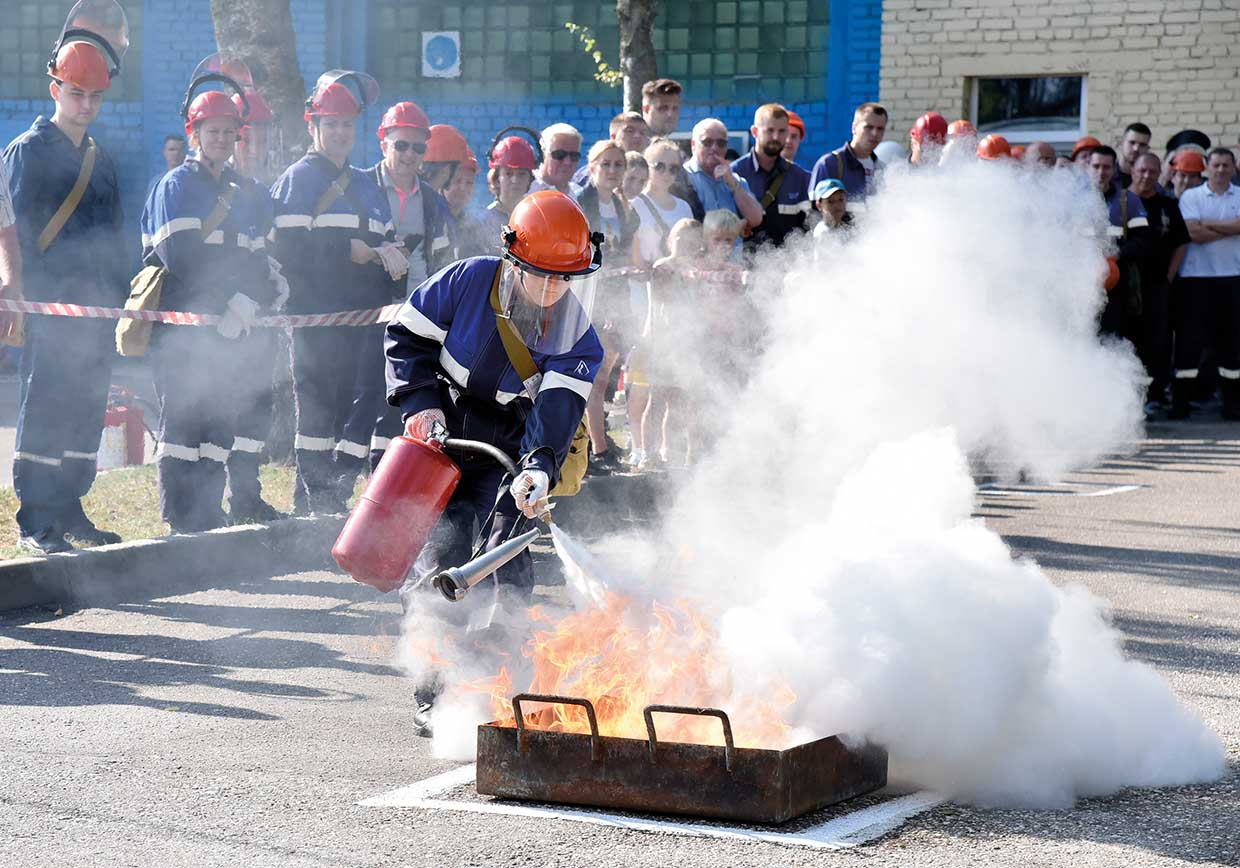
[1189,162]
[513,152]
[83,65]
[961,128]
[1084,143]
[994,147]
[1018,152]
[931,127]
[547,233]
[212,104]
[446,145]
[794,120]
[404,114]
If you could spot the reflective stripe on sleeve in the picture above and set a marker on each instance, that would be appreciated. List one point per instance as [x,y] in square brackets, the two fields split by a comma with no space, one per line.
[458,372]
[1138,223]
[796,208]
[439,243]
[554,380]
[313,444]
[1186,374]
[418,323]
[379,228]
[335,221]
[180,224]
[1225,373]
[505,397]
[246,444]
[216,237]
[1115,231]
[82,456]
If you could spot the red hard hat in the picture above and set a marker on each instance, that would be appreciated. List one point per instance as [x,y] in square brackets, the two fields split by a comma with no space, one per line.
[212,104]
[446,145]
[335,100]
[469,164]
[259,113]
[993,147]
[513,152]
[404,114]
[961,128]
[794,120]
[81,64]
[548,232]
[930,127]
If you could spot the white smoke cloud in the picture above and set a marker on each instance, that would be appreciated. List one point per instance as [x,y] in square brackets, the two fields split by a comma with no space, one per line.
[829,535]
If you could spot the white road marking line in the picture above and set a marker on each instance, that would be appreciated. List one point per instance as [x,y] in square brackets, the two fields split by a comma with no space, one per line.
[838,833]
[1034,489]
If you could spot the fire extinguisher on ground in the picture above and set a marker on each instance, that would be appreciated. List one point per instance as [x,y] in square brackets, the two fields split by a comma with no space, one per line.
[124,431]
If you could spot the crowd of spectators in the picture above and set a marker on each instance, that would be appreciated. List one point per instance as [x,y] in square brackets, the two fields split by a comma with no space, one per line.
[682,217]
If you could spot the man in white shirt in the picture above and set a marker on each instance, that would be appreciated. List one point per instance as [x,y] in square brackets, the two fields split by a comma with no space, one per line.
[1207,296]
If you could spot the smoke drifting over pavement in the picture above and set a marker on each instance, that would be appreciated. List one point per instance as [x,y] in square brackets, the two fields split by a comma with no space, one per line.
[828,534]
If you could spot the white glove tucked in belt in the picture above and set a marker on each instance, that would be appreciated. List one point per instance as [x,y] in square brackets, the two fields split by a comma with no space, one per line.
[239,316]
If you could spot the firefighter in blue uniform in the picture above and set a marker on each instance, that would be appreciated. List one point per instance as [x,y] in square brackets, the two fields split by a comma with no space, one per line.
[331,236]
[68,209]
[198,224]
[448,365]
[420,219]
[255,355]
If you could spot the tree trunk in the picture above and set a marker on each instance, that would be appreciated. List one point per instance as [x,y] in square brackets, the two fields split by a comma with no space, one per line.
[260,32]
[637,61]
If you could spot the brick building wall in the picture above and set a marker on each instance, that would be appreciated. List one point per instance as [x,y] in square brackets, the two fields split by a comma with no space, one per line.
[1170,63]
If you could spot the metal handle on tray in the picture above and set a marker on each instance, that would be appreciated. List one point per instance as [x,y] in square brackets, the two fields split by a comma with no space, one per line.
[596,747]
[729,749]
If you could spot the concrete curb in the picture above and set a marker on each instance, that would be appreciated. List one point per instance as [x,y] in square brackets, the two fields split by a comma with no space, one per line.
[142,569]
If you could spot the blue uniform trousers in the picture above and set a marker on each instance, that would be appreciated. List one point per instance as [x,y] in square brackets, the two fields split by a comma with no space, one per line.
[325,371]
[196,419]
[66,368]
[252,384]
[372,422]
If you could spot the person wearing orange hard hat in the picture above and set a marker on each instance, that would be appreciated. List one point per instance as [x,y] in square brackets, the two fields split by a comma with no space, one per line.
[796,137]
[1188,171]
[445,151]
[333,237]
[452,373]
[67,210]
[1083,149]
[994,147]
[202,229]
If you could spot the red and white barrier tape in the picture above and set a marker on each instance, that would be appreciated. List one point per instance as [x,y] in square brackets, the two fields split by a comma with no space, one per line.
[176,317]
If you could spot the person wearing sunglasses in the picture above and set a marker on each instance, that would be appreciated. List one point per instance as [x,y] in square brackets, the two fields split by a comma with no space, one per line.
[561,148]
[710,177]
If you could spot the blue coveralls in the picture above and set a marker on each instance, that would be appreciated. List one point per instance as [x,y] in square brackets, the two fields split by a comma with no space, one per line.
[255,357]
[66,365]
[327,362]
[444,351]
[372,422]
[193,365]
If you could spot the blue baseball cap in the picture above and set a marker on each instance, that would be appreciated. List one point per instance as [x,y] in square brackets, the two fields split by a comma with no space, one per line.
[824,189]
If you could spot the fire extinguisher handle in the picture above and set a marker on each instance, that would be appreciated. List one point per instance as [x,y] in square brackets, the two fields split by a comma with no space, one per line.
[483,449]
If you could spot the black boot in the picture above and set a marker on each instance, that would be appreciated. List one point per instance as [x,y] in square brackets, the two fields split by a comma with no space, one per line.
[1181,396]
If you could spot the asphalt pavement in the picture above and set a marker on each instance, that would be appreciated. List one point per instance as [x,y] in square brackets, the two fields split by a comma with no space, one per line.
[242,725]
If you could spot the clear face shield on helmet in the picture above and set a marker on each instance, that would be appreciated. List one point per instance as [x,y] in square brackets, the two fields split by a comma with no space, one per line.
[549,311]
[101,23]
[363,88]
[223,73]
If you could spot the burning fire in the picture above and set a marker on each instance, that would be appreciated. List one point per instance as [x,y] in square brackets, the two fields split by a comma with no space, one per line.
[623,658]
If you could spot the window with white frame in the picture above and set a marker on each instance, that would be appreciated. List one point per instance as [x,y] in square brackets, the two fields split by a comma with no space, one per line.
[1023,109]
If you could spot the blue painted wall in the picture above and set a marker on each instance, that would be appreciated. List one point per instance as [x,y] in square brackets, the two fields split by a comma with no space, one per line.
[330,33]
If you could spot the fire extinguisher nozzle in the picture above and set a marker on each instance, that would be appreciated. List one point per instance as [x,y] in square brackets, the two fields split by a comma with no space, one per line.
[454,582]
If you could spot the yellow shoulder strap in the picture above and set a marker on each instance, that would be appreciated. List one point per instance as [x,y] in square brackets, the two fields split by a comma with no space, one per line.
[67,207]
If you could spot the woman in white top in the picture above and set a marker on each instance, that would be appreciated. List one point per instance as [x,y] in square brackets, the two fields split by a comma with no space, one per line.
[658,210]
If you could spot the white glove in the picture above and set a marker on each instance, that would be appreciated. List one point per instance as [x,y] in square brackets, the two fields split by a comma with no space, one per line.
[530,490]
[394,260]
[419,425]
[239,316]
[277,277]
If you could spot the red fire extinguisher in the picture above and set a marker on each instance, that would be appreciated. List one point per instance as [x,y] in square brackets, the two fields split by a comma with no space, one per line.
[397,511]
[123,414]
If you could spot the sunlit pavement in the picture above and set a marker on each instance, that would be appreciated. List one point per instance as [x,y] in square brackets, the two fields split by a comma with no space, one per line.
[245,724]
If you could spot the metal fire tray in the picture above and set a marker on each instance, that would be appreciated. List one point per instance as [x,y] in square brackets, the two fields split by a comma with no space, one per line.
[731,783]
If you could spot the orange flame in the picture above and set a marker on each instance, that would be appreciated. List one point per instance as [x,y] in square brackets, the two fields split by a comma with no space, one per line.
[623,659]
